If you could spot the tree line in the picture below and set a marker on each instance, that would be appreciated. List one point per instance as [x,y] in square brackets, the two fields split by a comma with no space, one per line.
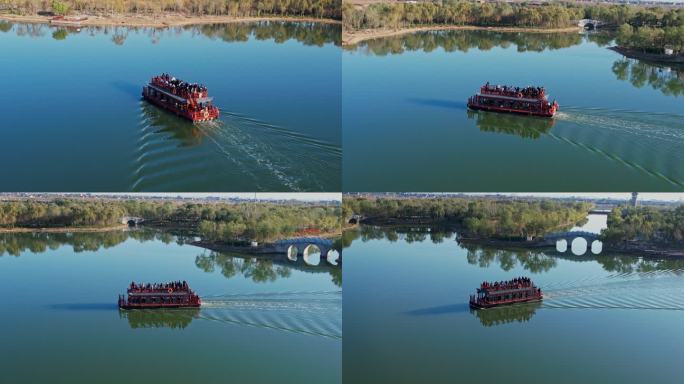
[652,39]
[502,14]
[477,216]
[260,221]
[237,8]
[645,224]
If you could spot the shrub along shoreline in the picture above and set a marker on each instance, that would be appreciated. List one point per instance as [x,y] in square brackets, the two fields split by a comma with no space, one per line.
[642,27]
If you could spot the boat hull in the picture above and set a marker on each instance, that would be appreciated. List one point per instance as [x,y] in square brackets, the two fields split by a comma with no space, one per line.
[157,306]
[503,303]
[197,117]
[478,107]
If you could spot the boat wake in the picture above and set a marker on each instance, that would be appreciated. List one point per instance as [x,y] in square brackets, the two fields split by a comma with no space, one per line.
[310,313]
[651,143]
[172,154]
[663,289]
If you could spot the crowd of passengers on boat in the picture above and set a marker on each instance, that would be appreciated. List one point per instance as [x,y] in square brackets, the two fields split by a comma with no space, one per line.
[505,90]
[159,287]
[517,283]
[180,87]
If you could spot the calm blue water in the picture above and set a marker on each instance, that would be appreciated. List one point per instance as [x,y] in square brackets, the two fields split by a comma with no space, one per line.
[260,322]
[604,319]
[73,119]
[406,126]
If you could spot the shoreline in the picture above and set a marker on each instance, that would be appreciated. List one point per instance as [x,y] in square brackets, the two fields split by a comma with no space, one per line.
[63,229]
[159,21]
[353,38]
[649,57]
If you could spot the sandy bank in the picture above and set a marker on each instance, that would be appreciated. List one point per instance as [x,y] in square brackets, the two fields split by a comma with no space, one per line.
[355,37]
[161,21]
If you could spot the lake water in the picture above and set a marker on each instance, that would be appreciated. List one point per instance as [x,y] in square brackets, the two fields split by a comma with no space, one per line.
[406,125]
[73,119]
[604,318]
[260,322]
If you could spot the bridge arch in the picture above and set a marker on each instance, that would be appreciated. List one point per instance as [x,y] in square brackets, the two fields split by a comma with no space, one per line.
[312,254]
[292,252]
[333,257]
[577,242]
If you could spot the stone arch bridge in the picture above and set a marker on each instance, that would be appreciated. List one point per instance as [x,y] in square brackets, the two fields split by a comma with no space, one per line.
[569,236]
[132,221]
[590,23]
[293,248]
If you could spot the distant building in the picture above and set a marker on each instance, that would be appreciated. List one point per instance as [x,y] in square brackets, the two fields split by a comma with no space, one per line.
[634,201]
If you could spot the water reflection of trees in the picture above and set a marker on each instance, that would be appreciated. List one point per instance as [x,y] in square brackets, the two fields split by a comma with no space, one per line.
[160,318]
[535,261]
[461,40]
[528,127]
[506,314]
[393,234]
[307,33]
[15,244]
[259,270]
[262,269]
[667,79]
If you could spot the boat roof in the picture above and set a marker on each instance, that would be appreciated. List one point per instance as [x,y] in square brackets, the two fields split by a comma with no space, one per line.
[505,291]
[512,98]
[167,93]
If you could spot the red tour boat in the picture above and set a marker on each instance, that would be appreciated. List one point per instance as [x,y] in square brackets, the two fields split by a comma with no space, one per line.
[187,100]
[176,294]
[503,98]
[518,290]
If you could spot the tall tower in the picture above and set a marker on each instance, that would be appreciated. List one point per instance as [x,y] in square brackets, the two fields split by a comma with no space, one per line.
[635,202]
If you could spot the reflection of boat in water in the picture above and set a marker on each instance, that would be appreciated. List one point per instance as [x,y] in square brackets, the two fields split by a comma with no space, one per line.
[506,314]
[187,133]
[162,318]
[518,290]
[164,295]
[526,127]
[523,101]
[187,100]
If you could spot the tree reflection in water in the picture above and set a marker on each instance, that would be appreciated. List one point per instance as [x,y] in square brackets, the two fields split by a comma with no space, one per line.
[307,33]
[462,41]
[262,269]
[160,318]
[506,314]
[667,79]
[533,260]
[527,127]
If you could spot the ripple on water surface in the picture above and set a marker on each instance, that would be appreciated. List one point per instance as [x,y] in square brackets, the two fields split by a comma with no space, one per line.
[171,154]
